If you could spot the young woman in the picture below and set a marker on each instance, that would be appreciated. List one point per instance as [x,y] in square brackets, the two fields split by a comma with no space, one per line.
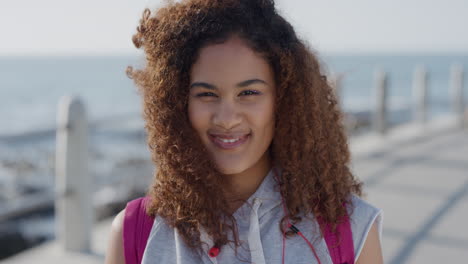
[252,159]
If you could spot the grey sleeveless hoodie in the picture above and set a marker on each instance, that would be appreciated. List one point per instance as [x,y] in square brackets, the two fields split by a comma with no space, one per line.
[258,226]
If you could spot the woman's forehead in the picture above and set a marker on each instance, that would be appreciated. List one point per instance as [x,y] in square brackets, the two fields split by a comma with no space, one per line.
[231,60]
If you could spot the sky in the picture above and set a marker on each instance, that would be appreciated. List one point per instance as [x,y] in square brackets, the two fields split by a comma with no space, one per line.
[90,27]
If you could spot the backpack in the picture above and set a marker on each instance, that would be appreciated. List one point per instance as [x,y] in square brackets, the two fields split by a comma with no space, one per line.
[137,226]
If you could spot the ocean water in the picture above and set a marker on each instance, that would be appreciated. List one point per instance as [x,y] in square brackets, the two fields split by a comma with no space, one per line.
[30,87]
[358,72]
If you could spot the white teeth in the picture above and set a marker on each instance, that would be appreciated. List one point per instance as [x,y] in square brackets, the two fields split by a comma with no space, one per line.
[229,140]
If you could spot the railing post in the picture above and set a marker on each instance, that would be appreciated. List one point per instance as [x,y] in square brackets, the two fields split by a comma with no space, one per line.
[420,80]
[456,86]
[73,204]
[380,122]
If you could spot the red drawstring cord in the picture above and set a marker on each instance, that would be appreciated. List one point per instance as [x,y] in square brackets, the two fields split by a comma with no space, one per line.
[311,247]
[294,229]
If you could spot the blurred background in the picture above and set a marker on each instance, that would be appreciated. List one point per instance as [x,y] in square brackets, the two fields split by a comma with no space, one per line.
[398,66]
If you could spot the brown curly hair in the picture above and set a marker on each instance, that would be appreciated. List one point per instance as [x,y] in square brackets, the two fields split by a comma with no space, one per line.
[310,144]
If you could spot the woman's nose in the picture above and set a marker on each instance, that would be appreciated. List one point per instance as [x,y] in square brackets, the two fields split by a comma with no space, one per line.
[227,115]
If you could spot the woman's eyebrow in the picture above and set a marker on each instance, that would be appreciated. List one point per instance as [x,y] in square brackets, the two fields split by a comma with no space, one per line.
[239,85]
[204,85]
[249,82]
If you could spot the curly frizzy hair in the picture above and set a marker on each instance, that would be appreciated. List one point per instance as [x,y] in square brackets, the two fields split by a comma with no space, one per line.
[310,144]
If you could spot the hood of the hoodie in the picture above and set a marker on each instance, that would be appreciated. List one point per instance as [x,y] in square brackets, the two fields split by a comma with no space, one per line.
[259,204]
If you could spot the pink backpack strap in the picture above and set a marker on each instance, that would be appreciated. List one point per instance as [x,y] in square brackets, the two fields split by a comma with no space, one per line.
[340,244]
[136,229]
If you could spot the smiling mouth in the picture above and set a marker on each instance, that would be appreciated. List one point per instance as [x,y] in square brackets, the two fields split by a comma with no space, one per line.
[228,142]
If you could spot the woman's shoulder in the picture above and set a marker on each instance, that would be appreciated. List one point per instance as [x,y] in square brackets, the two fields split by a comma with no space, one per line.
[114,253]
[362,216]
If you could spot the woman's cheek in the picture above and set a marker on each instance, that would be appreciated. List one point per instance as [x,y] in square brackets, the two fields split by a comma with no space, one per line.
[199,115]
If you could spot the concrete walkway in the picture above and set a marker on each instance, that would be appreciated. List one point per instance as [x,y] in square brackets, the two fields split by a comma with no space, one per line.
[417,175]
[52,253]
[422,186]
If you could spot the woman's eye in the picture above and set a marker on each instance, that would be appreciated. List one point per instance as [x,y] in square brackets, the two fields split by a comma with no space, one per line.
[205,94]
[249,92]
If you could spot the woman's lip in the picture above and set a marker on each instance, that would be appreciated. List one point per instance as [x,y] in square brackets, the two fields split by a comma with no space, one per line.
[217,140]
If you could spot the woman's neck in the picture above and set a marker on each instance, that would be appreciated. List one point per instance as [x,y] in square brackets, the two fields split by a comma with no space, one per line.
[244,184]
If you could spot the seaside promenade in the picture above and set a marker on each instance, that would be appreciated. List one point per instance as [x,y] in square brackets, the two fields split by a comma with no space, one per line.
[418,174]
[421,183]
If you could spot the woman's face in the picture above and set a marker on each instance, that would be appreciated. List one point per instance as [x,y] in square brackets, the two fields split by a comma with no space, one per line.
[231,105]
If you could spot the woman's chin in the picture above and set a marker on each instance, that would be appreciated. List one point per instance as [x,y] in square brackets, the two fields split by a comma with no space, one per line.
[229,170]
